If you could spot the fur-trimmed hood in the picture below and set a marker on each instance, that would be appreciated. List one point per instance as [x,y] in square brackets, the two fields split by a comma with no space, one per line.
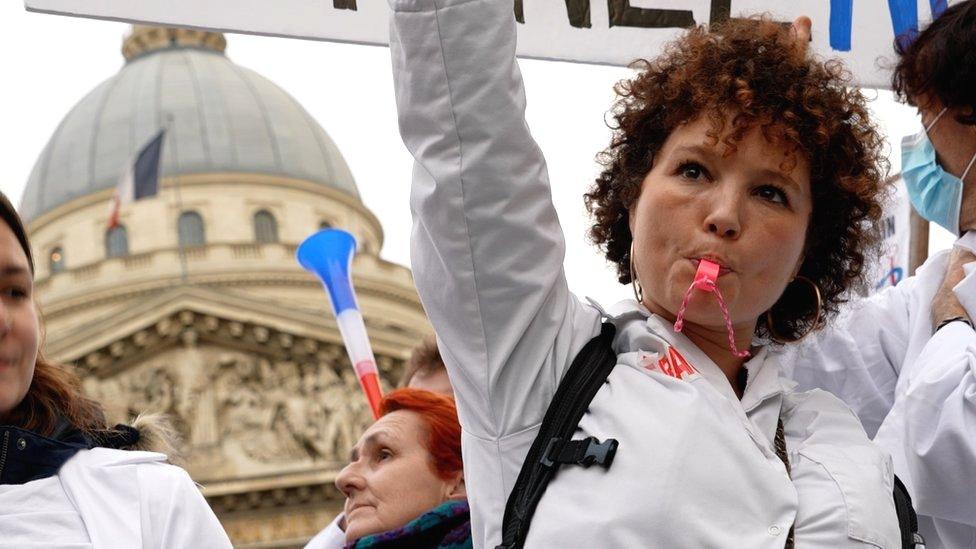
[149,432]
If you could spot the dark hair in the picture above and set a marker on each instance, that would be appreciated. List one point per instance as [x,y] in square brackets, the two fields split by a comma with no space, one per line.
[12,219]
[940,63]
[55,393]
[425,359]
[753,70]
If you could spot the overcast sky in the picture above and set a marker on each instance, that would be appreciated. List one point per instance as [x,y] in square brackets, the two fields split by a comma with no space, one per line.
[49,63]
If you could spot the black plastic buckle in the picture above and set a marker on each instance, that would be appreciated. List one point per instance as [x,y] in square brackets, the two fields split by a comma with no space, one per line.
[545,455]
[583,452]
[601,453]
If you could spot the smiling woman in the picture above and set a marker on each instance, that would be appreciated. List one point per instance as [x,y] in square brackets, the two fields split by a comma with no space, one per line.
[66,478]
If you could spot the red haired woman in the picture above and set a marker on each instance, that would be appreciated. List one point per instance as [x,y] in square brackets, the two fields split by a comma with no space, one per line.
[64,480]
[404,484]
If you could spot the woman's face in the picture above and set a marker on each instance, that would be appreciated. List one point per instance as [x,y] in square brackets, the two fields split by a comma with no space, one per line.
[389,480]
[740,211]
[18,322]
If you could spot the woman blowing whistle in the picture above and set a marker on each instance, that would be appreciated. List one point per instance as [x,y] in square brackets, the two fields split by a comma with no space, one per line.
[735,198]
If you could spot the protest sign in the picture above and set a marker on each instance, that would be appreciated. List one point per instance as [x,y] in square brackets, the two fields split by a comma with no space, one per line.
[588,31]
[892,265]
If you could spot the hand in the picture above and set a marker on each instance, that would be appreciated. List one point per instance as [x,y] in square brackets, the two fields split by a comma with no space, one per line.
[945,305]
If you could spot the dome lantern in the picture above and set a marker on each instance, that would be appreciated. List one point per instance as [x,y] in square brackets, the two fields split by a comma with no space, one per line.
[145,39]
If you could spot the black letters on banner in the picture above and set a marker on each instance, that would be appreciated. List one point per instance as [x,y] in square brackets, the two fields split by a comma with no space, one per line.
[721,11]
[622,14]
[344,4]
[579,13]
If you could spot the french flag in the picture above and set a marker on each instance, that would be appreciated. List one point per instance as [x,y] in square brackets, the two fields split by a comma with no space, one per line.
[140,179]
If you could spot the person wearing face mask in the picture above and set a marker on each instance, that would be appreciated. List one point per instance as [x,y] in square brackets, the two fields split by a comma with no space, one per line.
[905,359]
[66,478]
[404,483]
[736,198]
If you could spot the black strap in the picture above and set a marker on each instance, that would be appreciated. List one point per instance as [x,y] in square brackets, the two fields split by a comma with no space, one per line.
[907,519]
[553,446]
[779,442]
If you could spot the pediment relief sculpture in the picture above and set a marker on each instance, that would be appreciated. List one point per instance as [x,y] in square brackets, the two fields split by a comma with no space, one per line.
[242,413]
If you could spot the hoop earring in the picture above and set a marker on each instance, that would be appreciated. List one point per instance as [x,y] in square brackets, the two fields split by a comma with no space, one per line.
[813,325]
[634,283]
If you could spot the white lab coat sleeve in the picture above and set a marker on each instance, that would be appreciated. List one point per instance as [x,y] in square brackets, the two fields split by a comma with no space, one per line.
[174,512]
[937,420]
[966,289]
[331,537]
[487,249]
[858,355]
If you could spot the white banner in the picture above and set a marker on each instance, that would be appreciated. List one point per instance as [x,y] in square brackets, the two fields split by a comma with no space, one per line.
[892,266]
[611,32]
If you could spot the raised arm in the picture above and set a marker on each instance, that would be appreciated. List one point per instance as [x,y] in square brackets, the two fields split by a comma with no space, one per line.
[487,249]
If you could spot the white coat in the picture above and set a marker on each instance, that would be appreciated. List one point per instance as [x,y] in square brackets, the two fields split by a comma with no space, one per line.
[136,500]
[695,466]
[915,392]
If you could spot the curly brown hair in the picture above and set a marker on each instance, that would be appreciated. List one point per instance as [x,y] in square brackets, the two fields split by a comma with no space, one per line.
[940,63]
[754,71]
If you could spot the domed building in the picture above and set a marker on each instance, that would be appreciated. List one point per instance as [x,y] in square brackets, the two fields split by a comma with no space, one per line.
[194,305]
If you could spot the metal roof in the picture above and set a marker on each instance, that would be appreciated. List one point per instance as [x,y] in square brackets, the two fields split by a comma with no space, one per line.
[222,118]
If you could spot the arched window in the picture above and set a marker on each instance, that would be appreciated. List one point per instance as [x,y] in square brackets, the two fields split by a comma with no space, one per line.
[265,227]
[56,260]
[191,229]
[116,242]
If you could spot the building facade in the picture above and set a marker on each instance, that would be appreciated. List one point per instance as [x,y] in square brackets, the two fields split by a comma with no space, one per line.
[194,306]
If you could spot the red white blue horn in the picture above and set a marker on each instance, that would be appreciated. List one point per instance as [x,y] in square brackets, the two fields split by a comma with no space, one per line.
[328,254]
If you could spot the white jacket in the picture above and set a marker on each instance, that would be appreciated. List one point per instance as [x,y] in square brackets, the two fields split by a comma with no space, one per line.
[130,499]
[914,391]
[695,466]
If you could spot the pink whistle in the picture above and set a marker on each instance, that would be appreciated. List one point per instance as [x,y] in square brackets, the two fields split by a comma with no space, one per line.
[706,281]
[706,276]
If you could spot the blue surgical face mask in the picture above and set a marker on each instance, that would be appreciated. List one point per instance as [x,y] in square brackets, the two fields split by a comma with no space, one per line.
[935,193]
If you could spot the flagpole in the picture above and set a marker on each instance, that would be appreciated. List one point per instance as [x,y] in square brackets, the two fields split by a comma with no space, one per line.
[179,206]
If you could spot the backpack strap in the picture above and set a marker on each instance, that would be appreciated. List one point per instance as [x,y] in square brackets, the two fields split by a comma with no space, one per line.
[553,445]
[907,518]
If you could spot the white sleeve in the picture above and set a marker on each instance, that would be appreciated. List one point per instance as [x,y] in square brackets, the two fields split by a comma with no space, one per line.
[331,537]
[175,511]
[935,423]
[857,357]
[487,249]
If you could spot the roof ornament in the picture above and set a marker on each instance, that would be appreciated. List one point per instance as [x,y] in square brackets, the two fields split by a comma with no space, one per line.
[144,39]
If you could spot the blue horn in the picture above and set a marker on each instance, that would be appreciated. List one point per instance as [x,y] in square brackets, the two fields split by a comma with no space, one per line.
[328,254]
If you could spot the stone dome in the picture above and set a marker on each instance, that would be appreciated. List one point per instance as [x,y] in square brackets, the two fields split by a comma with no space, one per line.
[222,118]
